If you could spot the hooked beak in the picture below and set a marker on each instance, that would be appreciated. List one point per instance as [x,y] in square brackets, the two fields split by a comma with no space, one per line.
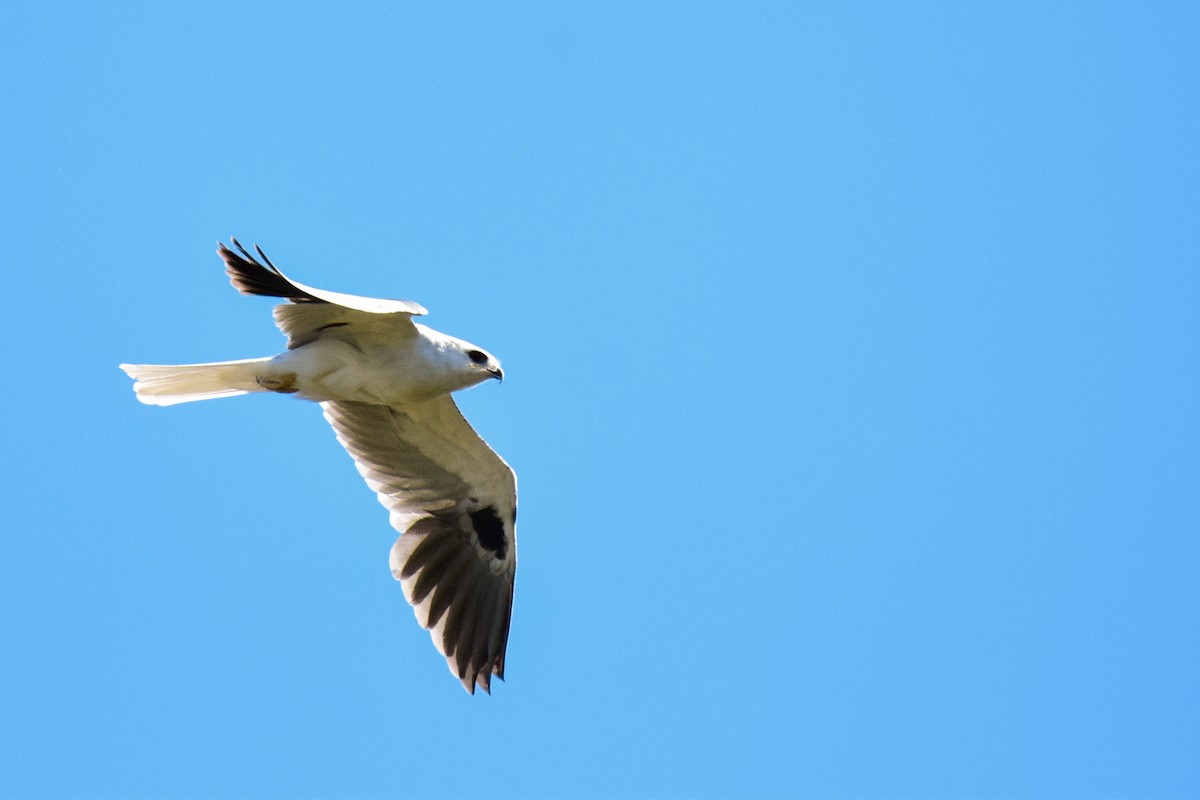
[497,373]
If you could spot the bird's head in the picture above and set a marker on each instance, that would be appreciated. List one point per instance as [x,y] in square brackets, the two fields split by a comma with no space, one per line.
[482,362]
[455,364]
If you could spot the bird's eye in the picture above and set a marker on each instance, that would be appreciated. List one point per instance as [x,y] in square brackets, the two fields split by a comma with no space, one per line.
[478,356]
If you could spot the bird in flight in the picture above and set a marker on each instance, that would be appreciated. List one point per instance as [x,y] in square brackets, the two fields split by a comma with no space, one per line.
[384,383]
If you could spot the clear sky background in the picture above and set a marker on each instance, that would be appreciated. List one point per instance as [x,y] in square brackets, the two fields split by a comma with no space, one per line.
[852,371]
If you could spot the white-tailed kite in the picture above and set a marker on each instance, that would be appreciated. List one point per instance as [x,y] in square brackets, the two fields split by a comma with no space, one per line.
[384,383]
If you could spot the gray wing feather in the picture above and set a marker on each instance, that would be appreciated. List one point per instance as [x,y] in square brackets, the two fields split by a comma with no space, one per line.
[435,475]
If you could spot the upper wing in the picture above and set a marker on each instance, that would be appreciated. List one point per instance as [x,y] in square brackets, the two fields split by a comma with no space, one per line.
[315,311]
[454,502]
[249,276]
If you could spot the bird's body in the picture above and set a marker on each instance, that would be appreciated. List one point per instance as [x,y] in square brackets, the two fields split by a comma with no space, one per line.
[385,383]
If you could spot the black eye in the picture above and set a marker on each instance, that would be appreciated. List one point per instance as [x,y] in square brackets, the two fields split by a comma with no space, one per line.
[478,356]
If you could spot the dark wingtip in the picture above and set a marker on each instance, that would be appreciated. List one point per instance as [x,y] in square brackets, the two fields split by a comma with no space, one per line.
[243,250]
[250,276]
[264,257]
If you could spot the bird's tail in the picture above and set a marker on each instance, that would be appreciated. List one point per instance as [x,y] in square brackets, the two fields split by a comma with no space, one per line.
[168,384]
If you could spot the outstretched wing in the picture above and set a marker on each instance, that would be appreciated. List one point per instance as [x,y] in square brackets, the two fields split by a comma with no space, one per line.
[454,501]
[316,312]
[249,276]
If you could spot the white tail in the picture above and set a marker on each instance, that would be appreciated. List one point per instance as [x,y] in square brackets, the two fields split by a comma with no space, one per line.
[168,384]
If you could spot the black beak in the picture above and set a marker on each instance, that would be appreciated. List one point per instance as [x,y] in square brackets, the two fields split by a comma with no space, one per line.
[497,373]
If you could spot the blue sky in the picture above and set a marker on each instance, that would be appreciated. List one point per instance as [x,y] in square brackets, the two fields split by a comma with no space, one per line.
[852,373]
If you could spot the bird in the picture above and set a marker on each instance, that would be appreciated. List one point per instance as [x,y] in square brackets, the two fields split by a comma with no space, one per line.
[384,383]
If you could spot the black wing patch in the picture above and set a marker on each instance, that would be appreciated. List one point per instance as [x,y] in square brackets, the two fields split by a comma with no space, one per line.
[249,276]
[490,531]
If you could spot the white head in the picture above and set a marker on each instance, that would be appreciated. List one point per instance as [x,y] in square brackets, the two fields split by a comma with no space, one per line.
[480,362]
[459,363]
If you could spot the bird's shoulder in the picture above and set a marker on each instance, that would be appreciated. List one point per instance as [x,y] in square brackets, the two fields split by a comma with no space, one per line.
[304,323]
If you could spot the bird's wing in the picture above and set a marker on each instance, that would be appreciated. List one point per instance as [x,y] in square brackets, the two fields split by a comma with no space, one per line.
[249,276]
[454,501]
[313,313]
